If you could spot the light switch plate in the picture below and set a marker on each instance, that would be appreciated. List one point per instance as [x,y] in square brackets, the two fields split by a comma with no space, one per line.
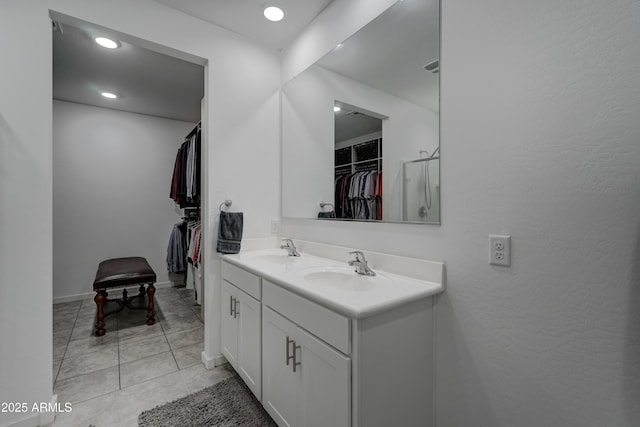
[500,250]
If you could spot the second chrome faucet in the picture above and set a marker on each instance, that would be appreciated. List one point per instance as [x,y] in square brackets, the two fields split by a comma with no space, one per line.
[290,247]
[360,262]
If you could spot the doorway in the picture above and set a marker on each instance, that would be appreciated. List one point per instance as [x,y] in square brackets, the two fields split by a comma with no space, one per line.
[113,160]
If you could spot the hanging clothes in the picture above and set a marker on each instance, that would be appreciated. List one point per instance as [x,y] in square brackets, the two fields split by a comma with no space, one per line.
[177,248]
[185,181]
[193,253]
[359,195]
[378,196]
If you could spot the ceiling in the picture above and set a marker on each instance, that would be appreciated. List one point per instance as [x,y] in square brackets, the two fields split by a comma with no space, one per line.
[156,84]
[152,83]
[391,51]
[351,122]
[245,17]
[147,82]
[389,54]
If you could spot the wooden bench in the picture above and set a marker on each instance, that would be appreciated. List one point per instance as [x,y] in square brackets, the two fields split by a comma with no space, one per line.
[121,273]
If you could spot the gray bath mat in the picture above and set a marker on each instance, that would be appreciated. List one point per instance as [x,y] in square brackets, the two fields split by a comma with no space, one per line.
[228,403]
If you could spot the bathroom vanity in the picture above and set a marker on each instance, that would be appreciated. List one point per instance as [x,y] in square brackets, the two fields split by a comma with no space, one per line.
[320,345]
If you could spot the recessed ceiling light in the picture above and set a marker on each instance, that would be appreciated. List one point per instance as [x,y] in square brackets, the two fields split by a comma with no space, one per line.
[273,13]
[109,95]
[105,42]
[336,109]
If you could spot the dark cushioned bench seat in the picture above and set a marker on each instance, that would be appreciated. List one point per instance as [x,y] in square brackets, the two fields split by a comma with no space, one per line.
[120,273]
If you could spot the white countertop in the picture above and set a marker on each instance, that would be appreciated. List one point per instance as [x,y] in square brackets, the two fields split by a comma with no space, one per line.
[329,282]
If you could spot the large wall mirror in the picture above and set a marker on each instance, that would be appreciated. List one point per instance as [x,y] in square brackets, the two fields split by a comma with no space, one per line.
[360,127]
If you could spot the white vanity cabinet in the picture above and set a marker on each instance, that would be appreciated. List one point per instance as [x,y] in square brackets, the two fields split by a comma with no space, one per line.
[323,362]
[242,325]
[305,381]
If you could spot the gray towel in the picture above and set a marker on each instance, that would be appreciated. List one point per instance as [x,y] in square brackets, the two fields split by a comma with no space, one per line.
[229,232]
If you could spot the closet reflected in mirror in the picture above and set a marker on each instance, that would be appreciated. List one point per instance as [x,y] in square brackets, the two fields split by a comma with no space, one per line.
[386,78]
[358,163]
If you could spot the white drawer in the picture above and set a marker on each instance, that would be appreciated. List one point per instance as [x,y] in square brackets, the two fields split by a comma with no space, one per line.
[329,326]
[248,282]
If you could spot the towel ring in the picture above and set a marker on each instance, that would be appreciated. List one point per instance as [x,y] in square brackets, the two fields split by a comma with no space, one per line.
[226,203]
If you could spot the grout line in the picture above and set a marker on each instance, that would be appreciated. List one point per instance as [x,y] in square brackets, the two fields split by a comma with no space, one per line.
[164,333]
[118,346]
[172,354]
[101,396]
[66,346]
[185,385]
[88,373]
[149,379]
[117,322]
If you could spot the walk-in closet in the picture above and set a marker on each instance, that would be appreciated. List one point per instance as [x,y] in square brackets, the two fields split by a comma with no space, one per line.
[127,173]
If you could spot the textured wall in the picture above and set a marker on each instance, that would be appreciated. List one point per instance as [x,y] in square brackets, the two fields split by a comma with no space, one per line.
[555,155]
[539,141]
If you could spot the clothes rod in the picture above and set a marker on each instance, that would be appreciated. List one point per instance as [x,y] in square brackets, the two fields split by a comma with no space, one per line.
[194,130]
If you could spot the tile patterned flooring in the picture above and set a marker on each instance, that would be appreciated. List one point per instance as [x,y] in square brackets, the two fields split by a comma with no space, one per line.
[110,380]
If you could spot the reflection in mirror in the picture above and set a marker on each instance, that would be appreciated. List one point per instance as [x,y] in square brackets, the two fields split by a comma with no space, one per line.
[421,189]
[358,163]
[387,73]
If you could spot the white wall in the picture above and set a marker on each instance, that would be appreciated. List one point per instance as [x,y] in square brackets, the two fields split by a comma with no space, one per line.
[337,22]
[241,91]
[111,177]
[308,139]
[25,207]
[540,141]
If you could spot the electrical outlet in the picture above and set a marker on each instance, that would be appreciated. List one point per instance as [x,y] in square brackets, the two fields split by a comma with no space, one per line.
[500,250]
[275,226]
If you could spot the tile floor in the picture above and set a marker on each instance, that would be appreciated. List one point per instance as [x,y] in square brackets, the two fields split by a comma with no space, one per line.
[110,380]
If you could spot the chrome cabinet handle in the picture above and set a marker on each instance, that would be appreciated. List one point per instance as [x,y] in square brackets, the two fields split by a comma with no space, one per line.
[235,308]
[289,357]
[296,362]
[292,356]
[230,305]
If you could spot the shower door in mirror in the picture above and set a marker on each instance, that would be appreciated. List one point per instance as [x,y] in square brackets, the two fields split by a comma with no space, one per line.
[421,190]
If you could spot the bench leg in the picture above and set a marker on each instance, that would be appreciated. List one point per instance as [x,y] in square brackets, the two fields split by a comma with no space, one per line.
[100,298]
[151,314]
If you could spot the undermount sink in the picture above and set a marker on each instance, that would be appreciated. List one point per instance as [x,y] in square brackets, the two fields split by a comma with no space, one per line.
[342,278]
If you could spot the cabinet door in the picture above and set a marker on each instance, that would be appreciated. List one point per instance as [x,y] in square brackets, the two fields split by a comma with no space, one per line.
[229,323]
[249,331]
[280,385]
[326,384]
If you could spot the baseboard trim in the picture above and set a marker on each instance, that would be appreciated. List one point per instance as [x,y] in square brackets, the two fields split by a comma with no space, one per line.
[80,297]
[31,421]
[44,418]
[208,362]
[47,418]
[220,360]
[211,362]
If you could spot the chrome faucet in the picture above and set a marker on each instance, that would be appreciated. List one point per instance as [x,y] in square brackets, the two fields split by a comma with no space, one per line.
[290,247]
[361,264]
